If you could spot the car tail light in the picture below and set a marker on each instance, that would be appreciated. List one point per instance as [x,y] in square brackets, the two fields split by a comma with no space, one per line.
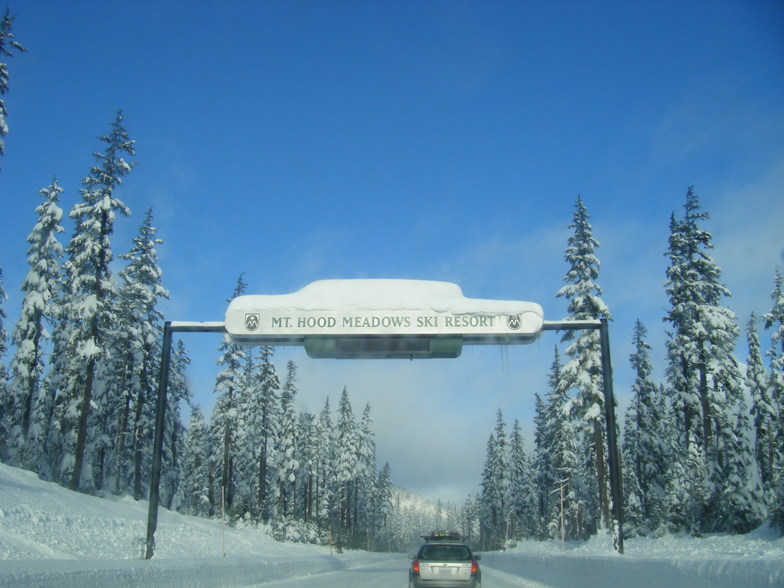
[474,567]
[415,566]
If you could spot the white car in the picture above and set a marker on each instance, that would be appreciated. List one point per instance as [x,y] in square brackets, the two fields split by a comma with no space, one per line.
[444,561]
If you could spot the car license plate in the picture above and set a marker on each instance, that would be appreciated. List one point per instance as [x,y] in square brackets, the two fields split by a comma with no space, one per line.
[444,571]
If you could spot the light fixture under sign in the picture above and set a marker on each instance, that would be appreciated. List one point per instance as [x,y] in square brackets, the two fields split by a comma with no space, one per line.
[368,347]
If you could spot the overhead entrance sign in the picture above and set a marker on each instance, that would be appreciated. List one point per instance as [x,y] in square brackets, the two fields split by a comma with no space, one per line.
[381,319]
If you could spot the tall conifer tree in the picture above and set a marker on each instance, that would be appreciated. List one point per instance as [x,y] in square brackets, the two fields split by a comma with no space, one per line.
[31,334]
[366,472]
[583,372]
[266,426]
[774,322]
[495,498]
[228,385]
[706,385]
[522,493]
[91,289]
[179,396]
[288,466]
[324,488]
[346,464]
[138,339]
[5,404]
[8,44]
[193,494]
[643,444]
[763,409]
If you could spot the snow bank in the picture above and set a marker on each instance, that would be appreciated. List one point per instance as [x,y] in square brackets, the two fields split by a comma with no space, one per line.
[715,561]
[50,536]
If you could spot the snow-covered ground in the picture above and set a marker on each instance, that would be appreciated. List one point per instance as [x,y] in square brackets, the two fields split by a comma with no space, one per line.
[50,536]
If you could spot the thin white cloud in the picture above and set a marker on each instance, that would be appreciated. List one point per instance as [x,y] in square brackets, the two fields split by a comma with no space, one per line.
[749,237]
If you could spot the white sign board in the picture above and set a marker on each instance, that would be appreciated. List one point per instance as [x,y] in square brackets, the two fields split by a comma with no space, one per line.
[380,308]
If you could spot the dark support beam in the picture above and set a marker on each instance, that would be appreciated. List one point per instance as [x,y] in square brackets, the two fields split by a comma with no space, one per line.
[157,448]
[160,420]
[616,484]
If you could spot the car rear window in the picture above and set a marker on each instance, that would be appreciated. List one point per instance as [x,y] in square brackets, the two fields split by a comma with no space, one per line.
[445,552]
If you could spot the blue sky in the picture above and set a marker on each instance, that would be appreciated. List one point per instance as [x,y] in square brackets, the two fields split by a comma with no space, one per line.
[296,141]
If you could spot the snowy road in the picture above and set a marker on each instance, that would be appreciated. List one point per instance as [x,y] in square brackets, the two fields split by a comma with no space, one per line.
[373,571]
[392,573]
[501,571]
[389,572]
[358,570]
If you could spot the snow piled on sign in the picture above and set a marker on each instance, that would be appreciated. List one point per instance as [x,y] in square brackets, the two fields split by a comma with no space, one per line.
[50,536]
[383,294]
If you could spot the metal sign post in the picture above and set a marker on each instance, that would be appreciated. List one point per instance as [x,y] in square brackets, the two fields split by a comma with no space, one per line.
[160,419]
[616,487]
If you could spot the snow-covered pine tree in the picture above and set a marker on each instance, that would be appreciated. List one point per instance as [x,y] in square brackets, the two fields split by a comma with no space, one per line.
[694,291]
[8,44]
[544,478]
[583,371]
[51,421]
[469,520]
[30,333]
[122,385]
[193,494]
[179,394]
[763,409]
[522,493]
[774,322]
[91,291]
[741,498]
[228,385]
[287,466]
[696,492]
[643,443]
[495,503]
[366,474]
[306,458]
[706,384]
[324,490]
[488,515]
[5,404]
[383,503]
[265,423]
[563,461]
[633,519]
[138,341]
[346,466]
[246,445]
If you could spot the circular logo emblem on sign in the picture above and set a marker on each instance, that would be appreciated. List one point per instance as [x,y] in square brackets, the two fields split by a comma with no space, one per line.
[514,321]
[252,321]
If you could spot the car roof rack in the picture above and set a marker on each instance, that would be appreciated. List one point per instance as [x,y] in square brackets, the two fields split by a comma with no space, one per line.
[442,536]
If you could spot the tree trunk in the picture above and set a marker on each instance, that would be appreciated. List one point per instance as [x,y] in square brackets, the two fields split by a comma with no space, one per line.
[28,410]
[704,400]
[81,431]
[309,499]
[138,445]
[263,483]
[122,431]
